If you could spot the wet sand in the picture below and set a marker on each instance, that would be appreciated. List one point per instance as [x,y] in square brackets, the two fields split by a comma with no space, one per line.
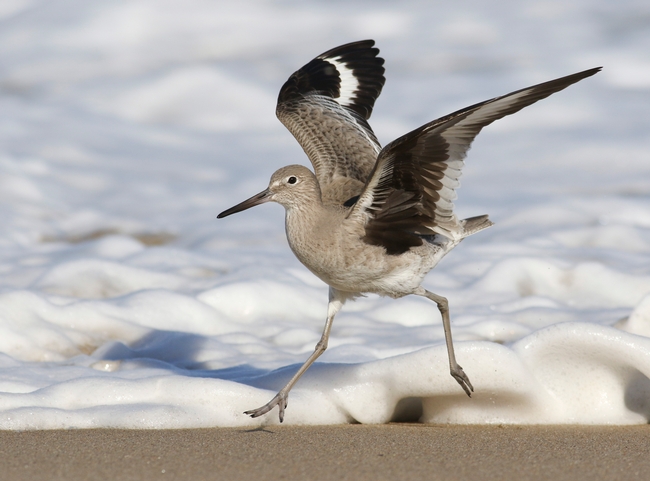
[351,452]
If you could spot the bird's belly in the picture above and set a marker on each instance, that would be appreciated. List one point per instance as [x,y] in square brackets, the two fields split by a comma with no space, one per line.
[371,270]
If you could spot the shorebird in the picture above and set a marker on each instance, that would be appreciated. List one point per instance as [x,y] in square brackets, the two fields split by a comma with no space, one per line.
[373,220]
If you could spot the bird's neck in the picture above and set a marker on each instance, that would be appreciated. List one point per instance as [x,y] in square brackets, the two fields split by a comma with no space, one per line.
[304,217]
[309,228]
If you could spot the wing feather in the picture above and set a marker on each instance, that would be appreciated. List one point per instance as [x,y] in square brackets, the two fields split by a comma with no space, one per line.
[326,105]
[411,190]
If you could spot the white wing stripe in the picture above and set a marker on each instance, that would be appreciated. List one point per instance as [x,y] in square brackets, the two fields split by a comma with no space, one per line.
[450,182]
[349,83]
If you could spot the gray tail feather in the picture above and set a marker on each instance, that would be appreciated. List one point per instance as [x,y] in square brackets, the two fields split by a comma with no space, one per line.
[475,224]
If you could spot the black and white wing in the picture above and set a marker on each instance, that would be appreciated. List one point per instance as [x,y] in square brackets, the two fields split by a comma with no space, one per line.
[326,105]
[412,186]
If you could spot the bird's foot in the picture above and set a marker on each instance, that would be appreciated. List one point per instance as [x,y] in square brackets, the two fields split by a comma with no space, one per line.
[280,400]
[460,376]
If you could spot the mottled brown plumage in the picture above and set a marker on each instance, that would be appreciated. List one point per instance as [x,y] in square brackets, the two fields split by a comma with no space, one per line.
[370,219]
[327,115]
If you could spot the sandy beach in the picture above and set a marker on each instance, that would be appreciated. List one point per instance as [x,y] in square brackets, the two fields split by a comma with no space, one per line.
[359,452]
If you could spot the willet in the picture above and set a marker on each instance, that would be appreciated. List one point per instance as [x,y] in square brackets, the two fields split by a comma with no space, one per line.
[374,220]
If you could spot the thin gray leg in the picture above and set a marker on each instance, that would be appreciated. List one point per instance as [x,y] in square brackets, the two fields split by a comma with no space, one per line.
[454,368]
[282,397]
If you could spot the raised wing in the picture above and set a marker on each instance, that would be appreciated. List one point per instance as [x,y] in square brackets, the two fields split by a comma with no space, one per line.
[412,186]
[325,105]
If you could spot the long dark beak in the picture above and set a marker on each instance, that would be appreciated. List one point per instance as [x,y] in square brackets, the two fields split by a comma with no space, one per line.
[257,199]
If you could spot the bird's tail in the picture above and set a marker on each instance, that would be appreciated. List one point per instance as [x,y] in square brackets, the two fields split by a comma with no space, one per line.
[475,224]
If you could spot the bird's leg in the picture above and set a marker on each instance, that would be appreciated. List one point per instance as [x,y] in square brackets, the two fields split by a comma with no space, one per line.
[282,397]
[454,368]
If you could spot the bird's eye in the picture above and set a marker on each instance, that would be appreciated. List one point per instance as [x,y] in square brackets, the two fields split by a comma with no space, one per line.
[292,180]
